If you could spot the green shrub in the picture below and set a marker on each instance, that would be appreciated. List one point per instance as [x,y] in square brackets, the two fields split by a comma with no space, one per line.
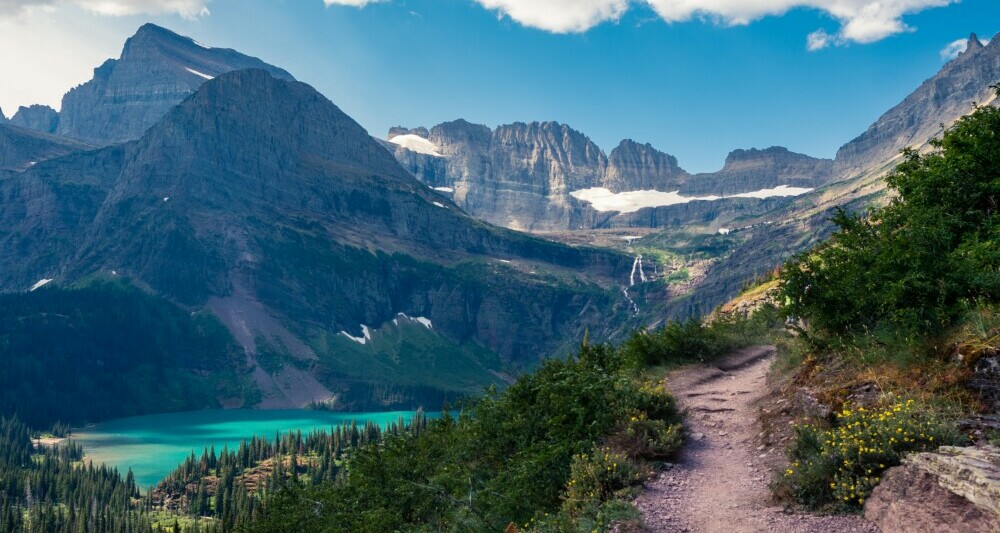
[838,467]
[599,475]
[910,264]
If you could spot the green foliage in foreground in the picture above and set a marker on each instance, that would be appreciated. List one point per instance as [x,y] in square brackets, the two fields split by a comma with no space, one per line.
[535,454]
[837,468]
[909,265]
[691,341]
[125,351]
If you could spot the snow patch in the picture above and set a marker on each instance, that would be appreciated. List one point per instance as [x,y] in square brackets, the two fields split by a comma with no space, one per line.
[365,332]
[165,198]
[725,231]
[602,199]
[780,190]
[444,189]
[206,47]
[416,143]
[423,321]
[32,163]
[196,73]
[439,204]
[40,283]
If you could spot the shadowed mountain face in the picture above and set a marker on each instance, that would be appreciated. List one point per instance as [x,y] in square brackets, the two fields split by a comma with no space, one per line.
[22,148]
[157,69]
[336,270]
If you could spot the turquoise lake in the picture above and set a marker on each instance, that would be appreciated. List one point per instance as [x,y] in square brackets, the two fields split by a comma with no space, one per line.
[152,446]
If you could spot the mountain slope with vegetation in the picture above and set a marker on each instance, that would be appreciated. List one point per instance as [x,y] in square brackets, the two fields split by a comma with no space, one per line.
[897,320]
[125,351]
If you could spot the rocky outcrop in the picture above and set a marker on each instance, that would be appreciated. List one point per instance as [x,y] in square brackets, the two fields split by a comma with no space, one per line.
[36,117]
[753,169]
[633,166]
[3,118]
[956,489]
[400,130]
[157,69]
[985,380]
[940,100]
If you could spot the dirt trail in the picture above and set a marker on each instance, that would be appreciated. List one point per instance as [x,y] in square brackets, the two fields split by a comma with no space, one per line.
[721,481]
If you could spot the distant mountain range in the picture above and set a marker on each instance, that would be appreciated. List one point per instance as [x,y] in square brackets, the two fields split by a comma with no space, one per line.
[361,273]
[531,176]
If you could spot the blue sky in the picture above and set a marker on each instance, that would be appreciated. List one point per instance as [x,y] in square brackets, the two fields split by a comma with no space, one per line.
[695,88]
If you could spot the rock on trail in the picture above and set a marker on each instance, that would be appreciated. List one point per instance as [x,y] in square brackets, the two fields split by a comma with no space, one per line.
[721,482]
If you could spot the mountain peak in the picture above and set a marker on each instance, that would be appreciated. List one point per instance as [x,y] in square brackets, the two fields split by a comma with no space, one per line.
[157,70]
[974,43]
[36,117]
[253,108]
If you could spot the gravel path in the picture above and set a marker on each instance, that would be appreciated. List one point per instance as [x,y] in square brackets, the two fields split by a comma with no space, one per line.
[721,482]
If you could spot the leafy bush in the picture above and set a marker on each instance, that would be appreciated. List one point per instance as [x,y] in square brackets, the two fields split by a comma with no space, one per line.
[839,467]
[675,343]
[510,457]
[910,264]
[692,341]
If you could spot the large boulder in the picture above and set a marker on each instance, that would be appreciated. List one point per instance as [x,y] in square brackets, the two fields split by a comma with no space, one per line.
[955,489]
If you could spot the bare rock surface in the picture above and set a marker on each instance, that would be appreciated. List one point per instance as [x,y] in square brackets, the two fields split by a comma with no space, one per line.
[721,482]
[956,489]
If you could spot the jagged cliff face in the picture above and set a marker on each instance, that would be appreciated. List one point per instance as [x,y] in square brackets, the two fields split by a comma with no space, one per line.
[37,117]
[633,166]
[530,177]
[940,100]
[334,268]
[157,69]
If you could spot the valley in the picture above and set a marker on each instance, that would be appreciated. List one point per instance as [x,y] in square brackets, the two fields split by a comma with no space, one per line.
[468,327]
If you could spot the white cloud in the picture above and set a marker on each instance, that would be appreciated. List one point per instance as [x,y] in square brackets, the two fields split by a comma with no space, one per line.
[957,47]
[819,40]
[116,8]
[353,3]
[559,16]
[861,21]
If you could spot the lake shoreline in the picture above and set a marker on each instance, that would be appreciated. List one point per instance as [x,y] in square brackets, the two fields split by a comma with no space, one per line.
[155,445]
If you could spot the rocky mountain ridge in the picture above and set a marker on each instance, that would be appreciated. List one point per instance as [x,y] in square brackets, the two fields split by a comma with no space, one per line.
[942,99]
[522,175]
[36,117]
[157,69]
[765,239]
